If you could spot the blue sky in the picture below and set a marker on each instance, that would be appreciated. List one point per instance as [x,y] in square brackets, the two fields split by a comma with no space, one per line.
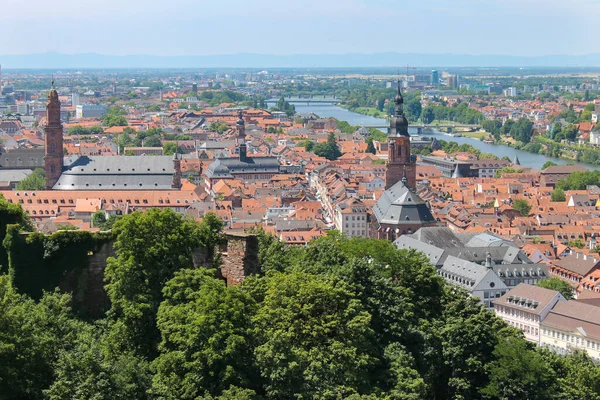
[180,27]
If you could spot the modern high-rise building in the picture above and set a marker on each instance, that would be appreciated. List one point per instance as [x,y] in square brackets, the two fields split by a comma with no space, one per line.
[435,77]
[453,81]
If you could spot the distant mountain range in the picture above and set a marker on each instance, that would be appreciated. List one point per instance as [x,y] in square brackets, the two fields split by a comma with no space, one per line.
[245,60]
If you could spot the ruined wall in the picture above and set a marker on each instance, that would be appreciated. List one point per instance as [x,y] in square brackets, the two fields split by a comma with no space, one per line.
[75,262]
[240,258]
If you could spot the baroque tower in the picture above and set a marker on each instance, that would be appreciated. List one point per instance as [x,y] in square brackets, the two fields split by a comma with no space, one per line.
[241,139]
[53,160]
[401,164]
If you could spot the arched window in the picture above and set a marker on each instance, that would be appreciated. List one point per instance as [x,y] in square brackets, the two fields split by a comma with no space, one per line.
[52,168]
[52,147]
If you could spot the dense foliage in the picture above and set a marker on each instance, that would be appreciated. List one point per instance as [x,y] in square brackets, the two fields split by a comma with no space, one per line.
[559,285]
[330,149]
[339,319]
[35,181]
[460,113]
[579,180]
[82,130]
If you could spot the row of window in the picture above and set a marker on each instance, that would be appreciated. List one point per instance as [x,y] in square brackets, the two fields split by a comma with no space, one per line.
[525,328]
[576,340]
[112,201]
[354,225]
[358,218]
[493,294]
[517,313]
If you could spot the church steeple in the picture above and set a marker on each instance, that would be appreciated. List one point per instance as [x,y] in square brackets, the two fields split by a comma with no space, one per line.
[241,139]
[399,123]
[53,160]
[401,164]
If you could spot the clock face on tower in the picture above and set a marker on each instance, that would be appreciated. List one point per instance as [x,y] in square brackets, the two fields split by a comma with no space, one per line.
[51,134]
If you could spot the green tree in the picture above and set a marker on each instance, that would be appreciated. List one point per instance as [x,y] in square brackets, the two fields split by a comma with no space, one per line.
[31,339]
[170,148]
[548,164]
[98,219]
[518,372]
[150,248]
[205,346]
[114,120]
[558,195]
[313,338]
[522,130]
[11,214]
[89,369]
[557,284]
[577,375]
[405,381]
[370,147]
[35,181]
[218,127]
[152,141]
[579,180]
[329,150]
[460,344]
[522,206]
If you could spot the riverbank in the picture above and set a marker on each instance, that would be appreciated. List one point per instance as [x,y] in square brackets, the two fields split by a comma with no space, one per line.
[530,159]
[549,148]
[368,111]
[480,135]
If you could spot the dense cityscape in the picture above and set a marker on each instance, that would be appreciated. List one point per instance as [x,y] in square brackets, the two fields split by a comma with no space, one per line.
[366,200]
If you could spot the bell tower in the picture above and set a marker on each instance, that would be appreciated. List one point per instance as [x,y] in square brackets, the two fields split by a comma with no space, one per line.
[53,130]
[400,162]
[241,139]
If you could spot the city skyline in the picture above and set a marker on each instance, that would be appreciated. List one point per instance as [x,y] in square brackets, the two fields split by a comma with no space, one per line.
[519,28]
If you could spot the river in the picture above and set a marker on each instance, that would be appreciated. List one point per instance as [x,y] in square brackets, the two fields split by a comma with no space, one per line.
[525,158]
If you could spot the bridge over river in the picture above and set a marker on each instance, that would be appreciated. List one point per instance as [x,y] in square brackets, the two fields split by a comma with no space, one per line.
[307,100]
[420,128]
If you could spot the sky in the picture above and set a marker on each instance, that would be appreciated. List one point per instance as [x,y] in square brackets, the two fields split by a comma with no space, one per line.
[208,27]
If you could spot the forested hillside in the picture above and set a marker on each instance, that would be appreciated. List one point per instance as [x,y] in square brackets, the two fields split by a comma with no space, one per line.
[339,319]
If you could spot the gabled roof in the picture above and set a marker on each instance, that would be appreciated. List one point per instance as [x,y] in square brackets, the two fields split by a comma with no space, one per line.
[532,299]
[574,315]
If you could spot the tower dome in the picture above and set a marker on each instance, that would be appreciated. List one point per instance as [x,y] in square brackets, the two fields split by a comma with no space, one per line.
[399,123]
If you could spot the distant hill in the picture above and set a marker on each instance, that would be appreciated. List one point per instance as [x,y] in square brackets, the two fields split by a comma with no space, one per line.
[243,60]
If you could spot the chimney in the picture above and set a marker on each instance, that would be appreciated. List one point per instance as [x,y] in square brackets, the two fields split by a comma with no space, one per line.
[585,257]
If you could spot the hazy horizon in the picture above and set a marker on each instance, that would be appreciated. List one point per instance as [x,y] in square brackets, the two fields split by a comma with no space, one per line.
[191,27]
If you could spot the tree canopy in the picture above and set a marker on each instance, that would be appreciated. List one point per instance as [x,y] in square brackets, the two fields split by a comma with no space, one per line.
[35,181]
[579,180]
[338,319]
[559,285]
[330,150]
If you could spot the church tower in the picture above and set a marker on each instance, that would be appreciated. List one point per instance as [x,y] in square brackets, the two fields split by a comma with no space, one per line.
[400,162]
[53,160]
[241,139]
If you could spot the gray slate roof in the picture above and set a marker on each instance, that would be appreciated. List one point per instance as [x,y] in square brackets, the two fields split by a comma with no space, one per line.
[468,274]
[435,254]
[22,158]
[14,175]
[226,167]
[398,205]
[116,173]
